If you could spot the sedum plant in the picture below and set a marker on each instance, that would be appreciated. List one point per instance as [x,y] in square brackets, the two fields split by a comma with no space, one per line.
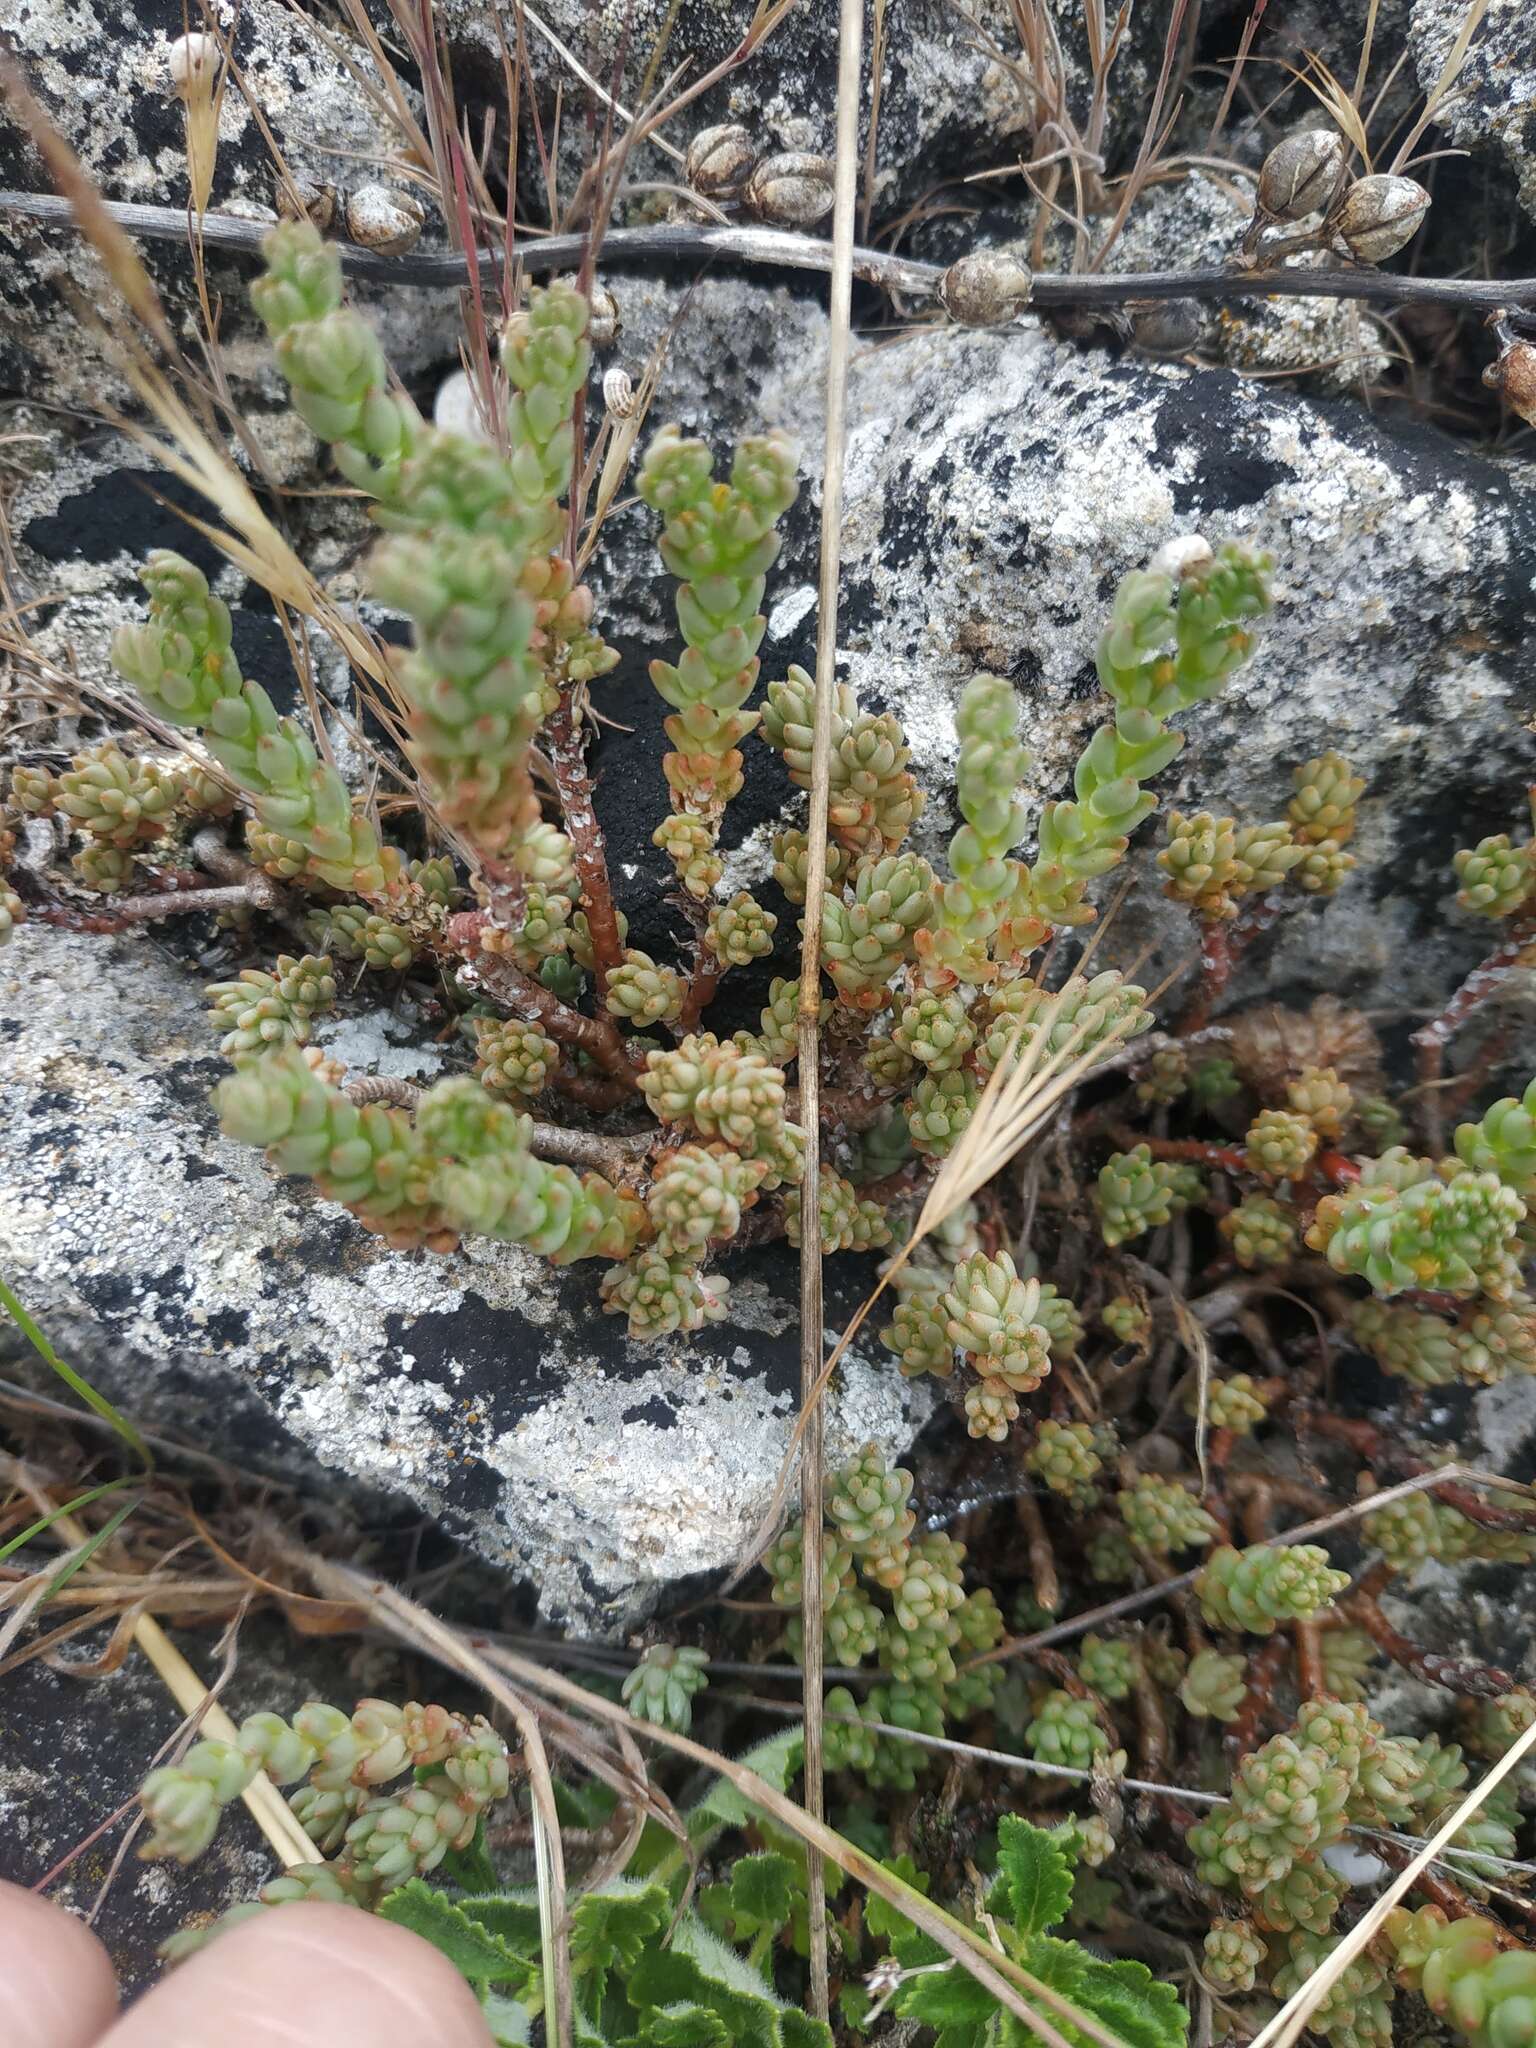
[932,977]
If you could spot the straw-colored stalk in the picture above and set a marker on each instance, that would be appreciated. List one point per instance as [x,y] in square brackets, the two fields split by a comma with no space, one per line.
[197,79]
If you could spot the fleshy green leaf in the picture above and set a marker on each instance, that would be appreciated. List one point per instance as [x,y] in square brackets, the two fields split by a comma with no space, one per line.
[475,1950]
[798,2030]
[1034,1874]
[512,1916]
[699,1969]
[854,2002]
[1124,1997]
[471,1869]
[775,1761]
[762,1892]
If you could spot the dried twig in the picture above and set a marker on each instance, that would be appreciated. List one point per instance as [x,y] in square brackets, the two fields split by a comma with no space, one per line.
[778,248]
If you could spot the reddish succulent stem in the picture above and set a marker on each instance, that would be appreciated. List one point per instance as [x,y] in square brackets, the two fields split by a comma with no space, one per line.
[508,984]
[1186,1151]
[1044,1582]
[1456,1674]
[1437,1887]
[707,970]
[566,749]
[1485,980]
[1390,1461]
[1309,1660]
[1222,945]
[1263,1676]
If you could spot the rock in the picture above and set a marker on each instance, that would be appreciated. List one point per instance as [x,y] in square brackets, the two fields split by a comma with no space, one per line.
[73,1750]
[1198,221]
[999,484]
[487,1388]
[101,77]
[949,101]
[1492,106]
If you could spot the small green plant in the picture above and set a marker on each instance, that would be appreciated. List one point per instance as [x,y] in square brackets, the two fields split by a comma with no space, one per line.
[1030,1895]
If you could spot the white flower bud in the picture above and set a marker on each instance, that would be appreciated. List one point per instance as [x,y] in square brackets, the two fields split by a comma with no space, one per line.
[1380,215]
[719,161]
[1176,558]
[383,220]
[793,187]
[1303,174]
[193,61]
[985,288]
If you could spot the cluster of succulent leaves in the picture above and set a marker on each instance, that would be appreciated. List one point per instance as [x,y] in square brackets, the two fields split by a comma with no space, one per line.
[933,979]
[933,969]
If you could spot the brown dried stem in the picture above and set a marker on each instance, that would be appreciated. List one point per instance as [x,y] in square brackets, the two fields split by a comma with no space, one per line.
[780,248]
[1485,981]
[1455,1674]
[565,747]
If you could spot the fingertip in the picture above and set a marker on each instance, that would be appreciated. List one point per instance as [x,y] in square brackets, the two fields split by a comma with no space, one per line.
[57,1986]
[310,1975]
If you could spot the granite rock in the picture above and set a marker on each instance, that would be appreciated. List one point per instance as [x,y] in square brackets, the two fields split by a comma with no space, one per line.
[1492,106]
[100,75]
[487,1388]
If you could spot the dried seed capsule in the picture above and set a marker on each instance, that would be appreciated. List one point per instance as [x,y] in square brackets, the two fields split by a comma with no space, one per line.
[1513,376]
[1166,327]
[383,220]
[1303,174]
[1381,215]
[720,161]
[985,288]
[303,198]
[793,187]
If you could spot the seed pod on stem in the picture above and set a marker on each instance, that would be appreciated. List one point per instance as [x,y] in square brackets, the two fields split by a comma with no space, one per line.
[719,161]
[1380,215]
[386,221]
[985,288]
[1303,174]
[793,188]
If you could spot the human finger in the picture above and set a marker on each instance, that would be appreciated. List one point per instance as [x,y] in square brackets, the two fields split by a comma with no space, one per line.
[57,1987]
[309,1975]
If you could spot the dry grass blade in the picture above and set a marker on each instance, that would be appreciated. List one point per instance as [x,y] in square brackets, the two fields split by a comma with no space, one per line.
[1290,2022]
[1192,1334]
[1338,104]
[266,1804]
[417,1626]
[849,69]
[1147,1596]
[96,222]
[995,1972]
[1015,1106]
[1444,84]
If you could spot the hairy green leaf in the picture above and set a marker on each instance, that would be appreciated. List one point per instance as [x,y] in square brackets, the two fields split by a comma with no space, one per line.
[1034,1876]
[474,1949]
